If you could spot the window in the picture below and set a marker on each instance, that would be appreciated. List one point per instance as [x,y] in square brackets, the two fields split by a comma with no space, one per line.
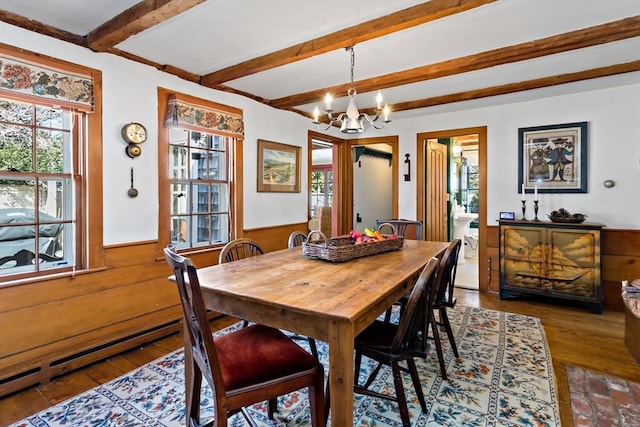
[199,187]
[38,146]
[50,167]
[200,153]
[321,187]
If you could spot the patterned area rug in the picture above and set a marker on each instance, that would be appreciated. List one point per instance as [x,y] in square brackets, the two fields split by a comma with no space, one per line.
[504,378]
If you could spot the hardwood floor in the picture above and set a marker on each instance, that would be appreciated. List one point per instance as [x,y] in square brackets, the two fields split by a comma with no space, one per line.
[575,336]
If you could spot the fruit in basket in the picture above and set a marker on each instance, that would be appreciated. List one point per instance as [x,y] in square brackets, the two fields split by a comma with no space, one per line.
[369,232]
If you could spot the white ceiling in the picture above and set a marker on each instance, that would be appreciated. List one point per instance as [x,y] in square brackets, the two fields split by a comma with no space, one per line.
[221,33]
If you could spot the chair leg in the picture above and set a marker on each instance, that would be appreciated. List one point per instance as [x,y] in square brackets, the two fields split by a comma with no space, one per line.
[444,318]
[193,393]
[416,384]
[400,395]
[319,413]
[327,401]
[436,339]
[313,347]
[272,407]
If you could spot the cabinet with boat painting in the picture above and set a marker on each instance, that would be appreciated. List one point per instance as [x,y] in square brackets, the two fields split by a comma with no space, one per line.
[551,259]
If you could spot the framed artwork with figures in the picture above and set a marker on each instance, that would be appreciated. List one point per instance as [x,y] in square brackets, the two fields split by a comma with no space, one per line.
[553,158]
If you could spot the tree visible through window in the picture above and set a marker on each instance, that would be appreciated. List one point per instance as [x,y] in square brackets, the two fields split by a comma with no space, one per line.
[37,152]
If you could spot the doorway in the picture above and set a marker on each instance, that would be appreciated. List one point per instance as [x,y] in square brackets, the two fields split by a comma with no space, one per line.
[451,192]
[344,157]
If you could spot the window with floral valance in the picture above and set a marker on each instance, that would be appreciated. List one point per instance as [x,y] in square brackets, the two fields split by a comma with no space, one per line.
[202,142]
[50,135]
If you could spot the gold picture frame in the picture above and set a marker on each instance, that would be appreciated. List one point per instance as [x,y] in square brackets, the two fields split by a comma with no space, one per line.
[278,167]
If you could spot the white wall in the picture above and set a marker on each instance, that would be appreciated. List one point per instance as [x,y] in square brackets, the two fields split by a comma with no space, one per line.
[613,116]
[130,94]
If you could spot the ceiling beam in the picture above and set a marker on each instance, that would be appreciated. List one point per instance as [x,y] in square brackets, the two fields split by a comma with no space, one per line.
[559,79]
[600,34]
[470,95]
[39,27]
[134,20]
[401,20]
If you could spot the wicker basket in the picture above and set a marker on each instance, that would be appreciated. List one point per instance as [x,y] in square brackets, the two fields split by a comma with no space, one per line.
[342,248]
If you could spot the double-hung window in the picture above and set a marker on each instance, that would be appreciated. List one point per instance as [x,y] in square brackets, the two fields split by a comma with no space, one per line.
[45,122]
[199,142]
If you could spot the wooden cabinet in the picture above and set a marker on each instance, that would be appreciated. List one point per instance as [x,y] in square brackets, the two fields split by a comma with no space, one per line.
[553,259]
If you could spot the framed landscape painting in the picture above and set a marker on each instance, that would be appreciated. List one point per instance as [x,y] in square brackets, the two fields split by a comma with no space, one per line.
[278,167]
[553,158]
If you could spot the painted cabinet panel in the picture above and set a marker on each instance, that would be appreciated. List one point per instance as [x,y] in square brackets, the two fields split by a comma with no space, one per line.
[556,260]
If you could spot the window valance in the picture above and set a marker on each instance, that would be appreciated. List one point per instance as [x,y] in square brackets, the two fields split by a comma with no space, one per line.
[43,79]
[203,116]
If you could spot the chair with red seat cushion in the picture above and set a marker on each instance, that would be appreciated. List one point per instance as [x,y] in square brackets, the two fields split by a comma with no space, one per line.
[246,366]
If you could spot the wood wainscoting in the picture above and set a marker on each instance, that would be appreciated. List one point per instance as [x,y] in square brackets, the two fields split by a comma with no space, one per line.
[50,327]
[620,261]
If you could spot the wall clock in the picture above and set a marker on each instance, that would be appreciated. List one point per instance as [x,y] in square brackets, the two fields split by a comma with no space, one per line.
[134,133]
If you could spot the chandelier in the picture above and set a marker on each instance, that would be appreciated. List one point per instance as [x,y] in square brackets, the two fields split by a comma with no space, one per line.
[352,121]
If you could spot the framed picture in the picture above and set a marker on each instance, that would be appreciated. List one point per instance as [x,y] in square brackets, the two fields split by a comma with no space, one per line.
[278,167]
[553,159]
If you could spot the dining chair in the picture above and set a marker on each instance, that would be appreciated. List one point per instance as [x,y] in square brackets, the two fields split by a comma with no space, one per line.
[243,367]
[444,298]
[297,238]
[239,249]
[402,225]
[390,343]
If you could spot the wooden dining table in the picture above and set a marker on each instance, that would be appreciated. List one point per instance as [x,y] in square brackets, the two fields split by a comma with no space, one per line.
[328,301]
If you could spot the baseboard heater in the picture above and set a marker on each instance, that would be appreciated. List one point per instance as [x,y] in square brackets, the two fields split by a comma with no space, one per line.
[50,369]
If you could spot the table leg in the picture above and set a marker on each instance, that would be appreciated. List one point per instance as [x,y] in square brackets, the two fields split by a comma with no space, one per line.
[341,373]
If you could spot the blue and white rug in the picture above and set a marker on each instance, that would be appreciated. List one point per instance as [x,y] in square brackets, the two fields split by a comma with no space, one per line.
[504,378]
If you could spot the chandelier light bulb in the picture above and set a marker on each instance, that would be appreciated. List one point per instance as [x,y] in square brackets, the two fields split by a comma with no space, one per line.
[378,100]
[327,101]
[316,114]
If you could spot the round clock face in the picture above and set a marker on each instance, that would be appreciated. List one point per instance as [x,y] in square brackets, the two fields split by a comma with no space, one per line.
[134,133]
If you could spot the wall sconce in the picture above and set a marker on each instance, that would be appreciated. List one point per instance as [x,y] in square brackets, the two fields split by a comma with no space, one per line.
[407,168]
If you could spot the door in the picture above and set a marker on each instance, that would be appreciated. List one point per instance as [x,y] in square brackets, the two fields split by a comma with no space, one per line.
[436,221]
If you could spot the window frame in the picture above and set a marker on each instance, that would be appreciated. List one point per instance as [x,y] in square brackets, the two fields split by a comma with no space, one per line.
[87,174]
[234,162]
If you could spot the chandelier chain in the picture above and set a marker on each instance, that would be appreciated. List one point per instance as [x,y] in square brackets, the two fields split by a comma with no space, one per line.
[352,90]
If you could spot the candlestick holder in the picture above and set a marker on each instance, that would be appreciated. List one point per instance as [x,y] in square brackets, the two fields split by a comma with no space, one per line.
[535,211]
[524,209]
